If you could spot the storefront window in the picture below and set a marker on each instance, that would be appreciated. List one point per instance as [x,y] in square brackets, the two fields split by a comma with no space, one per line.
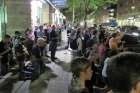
[36,12]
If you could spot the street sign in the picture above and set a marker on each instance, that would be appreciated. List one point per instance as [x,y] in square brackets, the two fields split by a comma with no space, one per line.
[59,3]
[113,23]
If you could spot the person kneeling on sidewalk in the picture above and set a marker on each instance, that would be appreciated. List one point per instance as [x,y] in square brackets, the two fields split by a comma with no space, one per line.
[38,53]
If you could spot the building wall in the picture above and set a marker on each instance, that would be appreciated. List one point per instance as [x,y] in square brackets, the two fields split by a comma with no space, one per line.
[51,11]
[102,17]
[125,11]
[45,14]
[18,15]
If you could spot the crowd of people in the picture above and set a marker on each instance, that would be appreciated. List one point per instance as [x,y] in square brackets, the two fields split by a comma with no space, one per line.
[29,50]
[102,64]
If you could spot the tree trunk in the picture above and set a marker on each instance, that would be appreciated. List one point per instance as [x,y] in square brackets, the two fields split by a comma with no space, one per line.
[86,10]
[73,14]
[85,21]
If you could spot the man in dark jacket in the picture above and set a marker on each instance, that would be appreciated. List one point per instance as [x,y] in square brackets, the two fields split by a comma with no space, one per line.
[53,43]
[4,51]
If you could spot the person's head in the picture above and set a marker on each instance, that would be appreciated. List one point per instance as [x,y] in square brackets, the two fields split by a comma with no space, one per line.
[17,33]
[36,27]
[53,27]
[114,35]
[123,73]
[41,27]
[90,43]
[95,25]
[40,42]
[81,68]
[79,33]
[7,38]
[102,30]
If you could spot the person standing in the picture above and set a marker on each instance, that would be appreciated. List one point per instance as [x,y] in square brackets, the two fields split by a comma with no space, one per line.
[40,33]
[81,71]
[35,33]
[80,43]
[4,51]
[15,42]
[101,35]
[113,42]
[53,43]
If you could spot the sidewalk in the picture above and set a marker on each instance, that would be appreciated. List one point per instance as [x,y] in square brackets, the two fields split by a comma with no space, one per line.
[61,83]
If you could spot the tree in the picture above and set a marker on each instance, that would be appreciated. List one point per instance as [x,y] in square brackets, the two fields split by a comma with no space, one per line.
[80,9]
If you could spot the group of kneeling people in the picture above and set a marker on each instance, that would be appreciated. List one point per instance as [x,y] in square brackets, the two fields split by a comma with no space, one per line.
[122,74]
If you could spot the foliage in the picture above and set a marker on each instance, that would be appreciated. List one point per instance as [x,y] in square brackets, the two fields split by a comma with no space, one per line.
[84,7]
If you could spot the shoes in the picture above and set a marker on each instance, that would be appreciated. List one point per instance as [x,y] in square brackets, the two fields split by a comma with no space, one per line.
[47,56]
[53,60]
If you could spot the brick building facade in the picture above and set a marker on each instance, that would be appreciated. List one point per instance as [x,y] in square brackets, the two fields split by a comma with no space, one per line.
[18,15]
[15,15]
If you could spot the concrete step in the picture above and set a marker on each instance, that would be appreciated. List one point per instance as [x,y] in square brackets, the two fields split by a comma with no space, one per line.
[22,87]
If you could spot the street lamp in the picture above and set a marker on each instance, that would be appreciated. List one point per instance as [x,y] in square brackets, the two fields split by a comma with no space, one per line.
[133,7]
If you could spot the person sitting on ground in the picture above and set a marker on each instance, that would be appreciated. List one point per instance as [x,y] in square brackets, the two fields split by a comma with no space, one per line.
[81,70]
[123,73]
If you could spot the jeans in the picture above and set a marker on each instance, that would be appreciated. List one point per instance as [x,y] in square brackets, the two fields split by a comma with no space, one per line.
[4,68]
